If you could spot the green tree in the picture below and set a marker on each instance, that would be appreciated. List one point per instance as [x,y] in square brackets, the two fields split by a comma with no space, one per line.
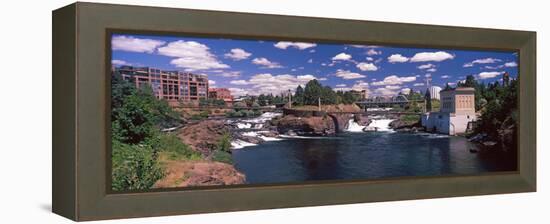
[469,82]
[447,87]
[134,121]
[263,100]
[349,97]
[428,98]
[328,96]
[312,92]
[299,95]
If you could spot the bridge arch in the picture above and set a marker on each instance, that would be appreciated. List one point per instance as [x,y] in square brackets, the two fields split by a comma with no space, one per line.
[336,124]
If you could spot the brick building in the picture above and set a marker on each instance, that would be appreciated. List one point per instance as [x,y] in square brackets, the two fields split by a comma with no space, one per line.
[173,86]
[221,93]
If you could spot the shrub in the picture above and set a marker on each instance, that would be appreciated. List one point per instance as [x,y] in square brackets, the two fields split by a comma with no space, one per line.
[200,116]
[410,119]
[172,146]
[224,144]
[134,167]
[221,156]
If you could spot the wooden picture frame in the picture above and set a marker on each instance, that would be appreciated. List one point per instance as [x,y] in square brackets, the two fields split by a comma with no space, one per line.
[81,91]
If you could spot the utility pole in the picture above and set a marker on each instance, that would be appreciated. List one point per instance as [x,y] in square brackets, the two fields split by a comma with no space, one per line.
[289,99]
[319,103]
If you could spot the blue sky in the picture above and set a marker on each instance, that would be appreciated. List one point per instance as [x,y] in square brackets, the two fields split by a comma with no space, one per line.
[257,66]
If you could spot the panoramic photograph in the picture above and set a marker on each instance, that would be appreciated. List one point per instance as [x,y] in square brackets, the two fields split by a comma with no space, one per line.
[193,111]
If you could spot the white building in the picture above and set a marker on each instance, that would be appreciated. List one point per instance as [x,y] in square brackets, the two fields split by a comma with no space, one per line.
[434,92]
[456,113]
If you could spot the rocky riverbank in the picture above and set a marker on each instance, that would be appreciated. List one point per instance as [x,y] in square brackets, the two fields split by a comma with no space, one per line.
[199,173]
[205,137]
[404,125]
[504,140]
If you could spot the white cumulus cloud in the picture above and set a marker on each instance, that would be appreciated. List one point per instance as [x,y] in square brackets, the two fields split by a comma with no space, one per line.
[426,66]
[212,83]
[265,63]
[239,82]
[191,56]
[510,64]
[393,87]
[394,80]
[488,75]
[132,44]
[405,90]
[397,58]
[298,45]
[238,92]
[346,74]
[342,57]
[482,61]
[371,52]
[367,66]
[237,54]
[385,92]
[119,62]
[431,56]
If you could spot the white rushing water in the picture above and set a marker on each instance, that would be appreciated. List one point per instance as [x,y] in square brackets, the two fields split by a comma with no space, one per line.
[380,109]
[254,123]
[375,125]
[354,126]
[244,125]
[239,144]
[381,125]
[258,122]
[259,135]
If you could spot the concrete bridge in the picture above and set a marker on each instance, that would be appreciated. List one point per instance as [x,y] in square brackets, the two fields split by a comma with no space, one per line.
[341,119]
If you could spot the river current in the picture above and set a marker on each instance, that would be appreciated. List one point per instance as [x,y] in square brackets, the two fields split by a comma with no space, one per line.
[361,155]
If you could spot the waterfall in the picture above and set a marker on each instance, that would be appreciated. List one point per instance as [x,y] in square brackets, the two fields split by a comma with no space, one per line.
[254,125]
[382,125]
[354,126]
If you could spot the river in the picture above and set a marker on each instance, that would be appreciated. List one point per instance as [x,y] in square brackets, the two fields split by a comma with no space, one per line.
[363,155]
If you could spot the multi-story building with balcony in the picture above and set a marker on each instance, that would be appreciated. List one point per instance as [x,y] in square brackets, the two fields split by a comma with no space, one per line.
[173,86]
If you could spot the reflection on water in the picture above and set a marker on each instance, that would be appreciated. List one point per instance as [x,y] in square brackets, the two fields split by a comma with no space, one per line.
[364,156]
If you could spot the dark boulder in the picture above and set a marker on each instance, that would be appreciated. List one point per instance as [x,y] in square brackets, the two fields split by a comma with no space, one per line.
[322,125]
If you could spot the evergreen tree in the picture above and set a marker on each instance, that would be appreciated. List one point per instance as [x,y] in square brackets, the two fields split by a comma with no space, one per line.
[447,87]
[299,95]
[262,100]
[428,98]
[469,82]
